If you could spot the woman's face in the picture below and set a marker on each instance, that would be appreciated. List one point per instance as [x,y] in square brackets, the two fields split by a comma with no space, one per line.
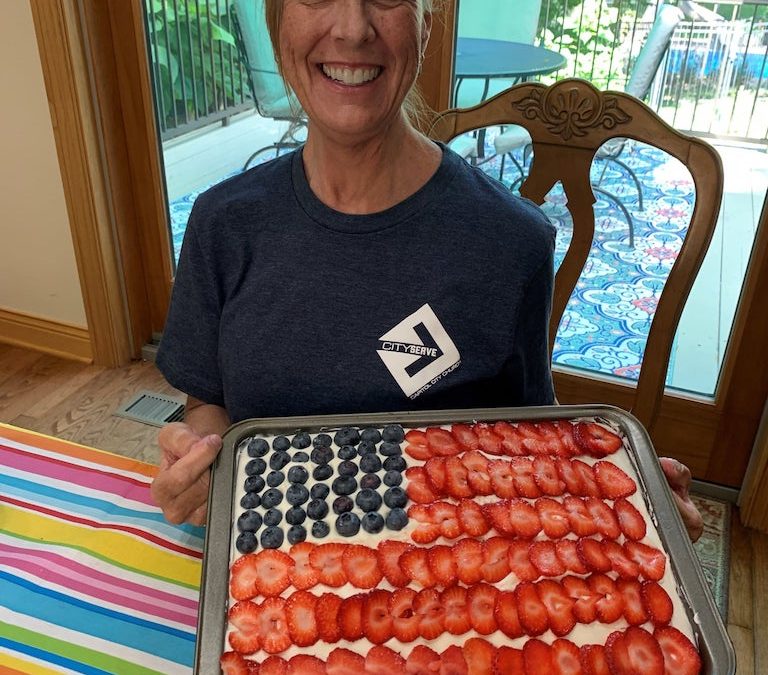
[352,62]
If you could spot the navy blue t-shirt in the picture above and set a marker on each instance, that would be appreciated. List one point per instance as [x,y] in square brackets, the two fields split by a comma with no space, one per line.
[283,306]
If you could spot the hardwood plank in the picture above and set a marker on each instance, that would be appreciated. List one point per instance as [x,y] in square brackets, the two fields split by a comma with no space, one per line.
[744,645]
[760,584]
[740,589]
[14,360]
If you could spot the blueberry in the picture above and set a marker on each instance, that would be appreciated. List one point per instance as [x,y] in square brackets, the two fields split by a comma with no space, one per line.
[395,463]
[347,452]
[258,447]
[371,435]
[322,472]
[272,517]
[319,491]
[255,466]
[344,485]
[321,455]
[298,474]
[372,522]
[393,478]
[393,433]
[366,448]
[397,519]
[368,500]
[296,494]
[370,463]
[342,504]
[370,480]
[271,497]
[296,534]
[280,443]
[394,497]
[317,509]
[254,484]
[301,456]
[388,448]
[347,468]
[347,525]
[347,436]
[272,537]
[322,441]
[301,440]
[320,529]
[274,478]
[246,542]
[278,460]
[295,515]
[250,500]
[249,521]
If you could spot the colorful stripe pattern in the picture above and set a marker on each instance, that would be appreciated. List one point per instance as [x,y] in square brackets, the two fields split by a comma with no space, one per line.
[92,578]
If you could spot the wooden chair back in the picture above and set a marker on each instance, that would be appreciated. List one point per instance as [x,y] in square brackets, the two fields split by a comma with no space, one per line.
[568,121]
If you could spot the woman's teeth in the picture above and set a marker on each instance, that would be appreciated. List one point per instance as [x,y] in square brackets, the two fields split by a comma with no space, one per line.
[351,76]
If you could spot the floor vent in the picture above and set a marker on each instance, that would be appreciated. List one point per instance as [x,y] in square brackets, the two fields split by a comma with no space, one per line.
[152,408]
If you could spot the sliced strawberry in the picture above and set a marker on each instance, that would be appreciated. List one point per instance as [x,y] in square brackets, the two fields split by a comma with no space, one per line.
[594,660]
[427,607]
[502,478]
[529,431]
[613,481]
[452,662]
[351,617]
[584,598]
[477,466]
[416,445]
[456,478]
[589,486]
[481,601]
[405,622]
[416,436]
[441,442]
[327,560]
[300,617]
[495,559]
[553,517]
[471,518]
[559,606]
[435,468]
[305,664]
[443,514]
[631,521]
[645,655]
[456,617]
[553,439]
[610,606]
[565,430]
[442,565]
[595,439]
[272,665]
[657,603]
[415,565]
[388,553]
[537,658]
[344,662]
[617,654]
[361,566]
[419,487]
[468,554]
[479,654]
[273,626]
[425,533]
[327,617]
[382,660]
[525,520]
[651,560]
[546,476]
[519,563]
[465,436]
[512,440]
[422,661]
[603,516]
[591,553]
[377,621]
[244,618]
[488,440]
[244,578]
[273,568]
[523,480]
[498,516]
[302,575]
[506,616]
[680,656]
[507,661]
[634,609]
[569,476]
[232,663]
[621,563]
[531,610]
[565,658]
[579,517]
[543,555]
[568,554]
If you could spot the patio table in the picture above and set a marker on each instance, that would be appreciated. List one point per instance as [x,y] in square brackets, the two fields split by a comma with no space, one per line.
[92,577]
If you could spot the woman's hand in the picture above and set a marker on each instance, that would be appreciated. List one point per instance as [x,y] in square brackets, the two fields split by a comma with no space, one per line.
[679,478]
[181,487]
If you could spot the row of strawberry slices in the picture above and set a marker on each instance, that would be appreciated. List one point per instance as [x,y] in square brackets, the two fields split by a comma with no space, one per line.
[562,438]
[634,651]
[472,474]
[303,618]
[516,517]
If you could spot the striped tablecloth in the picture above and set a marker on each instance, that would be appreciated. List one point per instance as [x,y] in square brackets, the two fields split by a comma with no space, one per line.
[92,578]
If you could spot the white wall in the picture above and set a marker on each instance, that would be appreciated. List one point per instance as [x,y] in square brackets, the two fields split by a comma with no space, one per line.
[38,273]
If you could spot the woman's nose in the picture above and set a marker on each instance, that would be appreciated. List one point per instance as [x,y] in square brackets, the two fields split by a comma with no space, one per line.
[352,21]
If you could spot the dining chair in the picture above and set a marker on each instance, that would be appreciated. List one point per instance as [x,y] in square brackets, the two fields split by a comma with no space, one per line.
[270,93]
[568,123]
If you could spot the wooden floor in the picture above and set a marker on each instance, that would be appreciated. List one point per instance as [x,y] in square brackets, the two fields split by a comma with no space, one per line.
[76,402]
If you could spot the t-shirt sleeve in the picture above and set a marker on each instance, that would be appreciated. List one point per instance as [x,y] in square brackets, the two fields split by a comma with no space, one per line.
[188,355]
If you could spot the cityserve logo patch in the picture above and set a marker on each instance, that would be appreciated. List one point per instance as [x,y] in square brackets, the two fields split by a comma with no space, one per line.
[418,352]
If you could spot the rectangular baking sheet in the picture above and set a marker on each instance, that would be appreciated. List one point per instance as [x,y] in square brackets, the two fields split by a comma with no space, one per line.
[717,653]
